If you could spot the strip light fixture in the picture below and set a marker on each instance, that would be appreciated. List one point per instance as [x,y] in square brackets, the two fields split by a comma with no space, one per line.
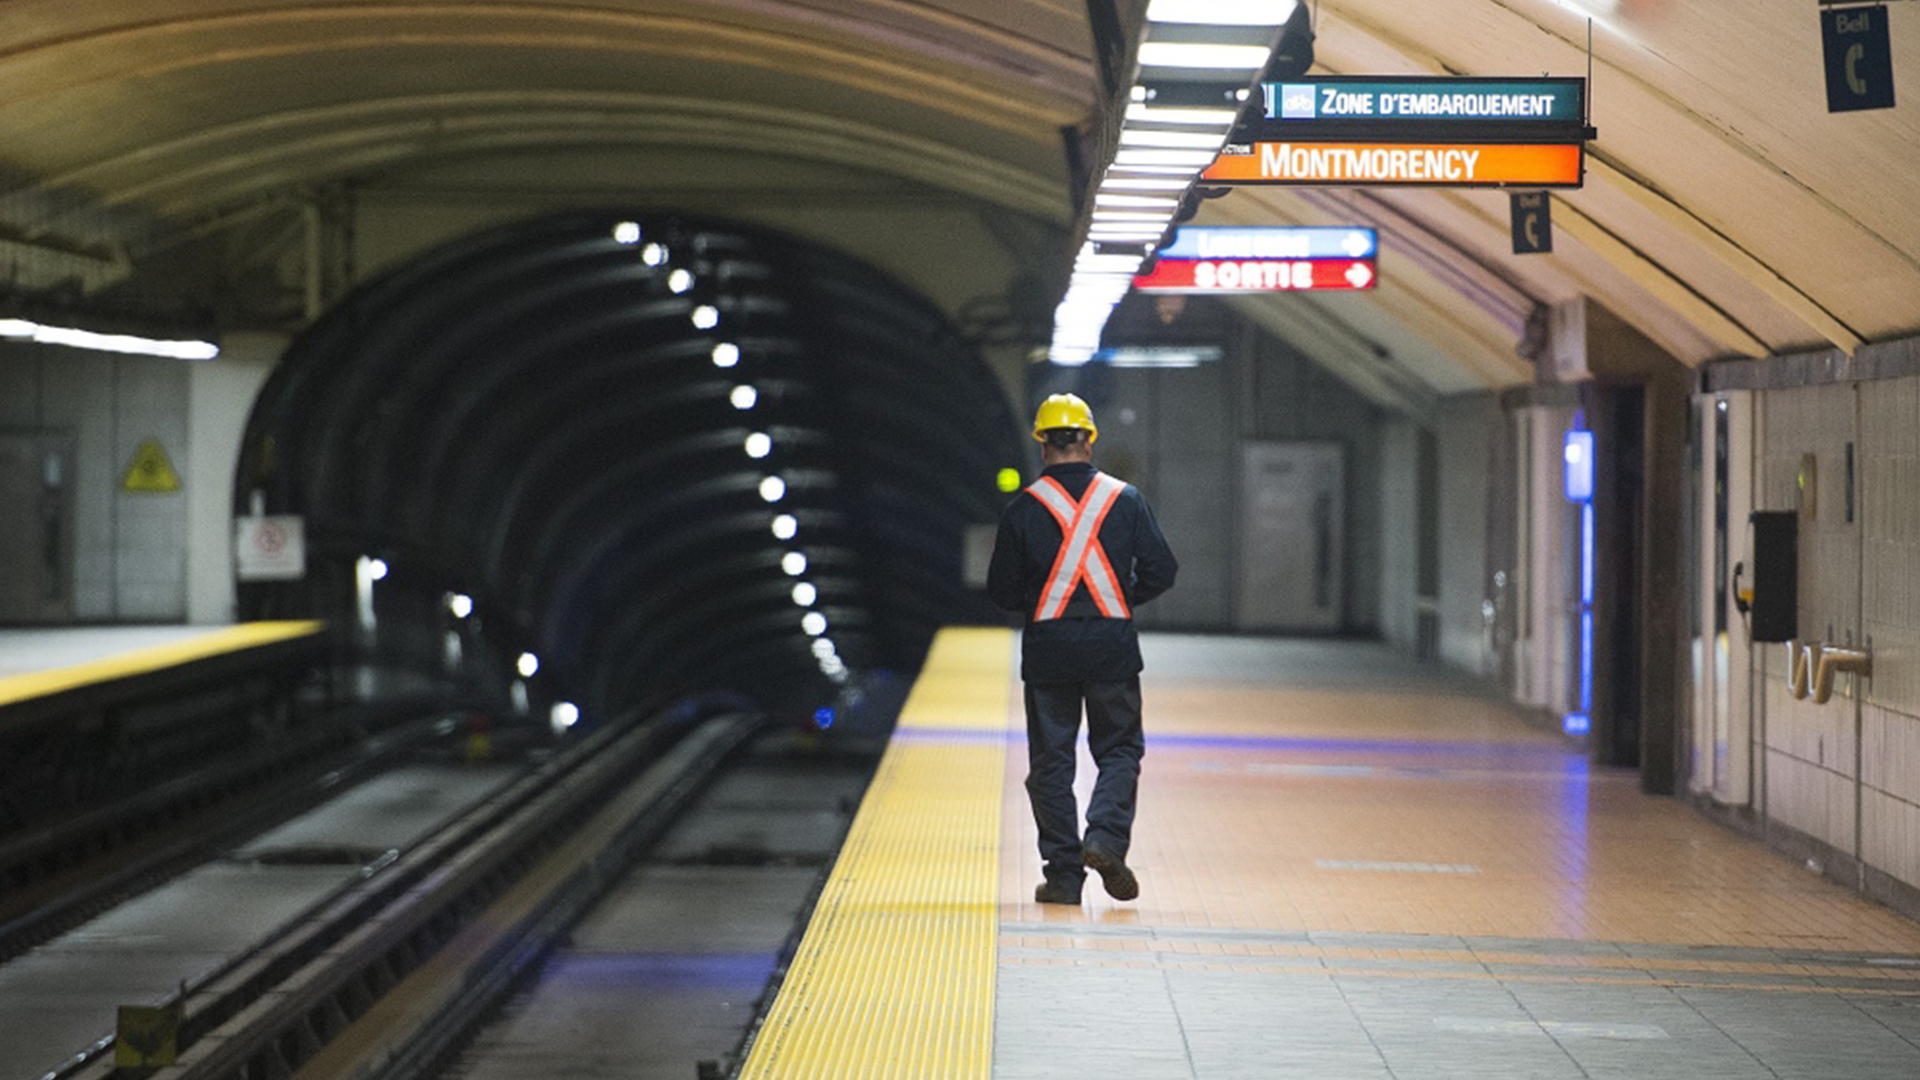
[1212,51]
[25,330]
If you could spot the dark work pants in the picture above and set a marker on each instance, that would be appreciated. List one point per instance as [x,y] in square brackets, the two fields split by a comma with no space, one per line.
[1113,734]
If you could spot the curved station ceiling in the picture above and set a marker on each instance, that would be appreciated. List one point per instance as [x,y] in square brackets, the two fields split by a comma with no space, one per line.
[213,166]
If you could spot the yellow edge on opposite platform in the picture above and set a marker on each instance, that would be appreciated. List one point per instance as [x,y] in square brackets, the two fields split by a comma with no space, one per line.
[894,977]
[17,688]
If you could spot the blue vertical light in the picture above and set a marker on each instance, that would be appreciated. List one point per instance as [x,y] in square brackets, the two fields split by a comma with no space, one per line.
[1579,489]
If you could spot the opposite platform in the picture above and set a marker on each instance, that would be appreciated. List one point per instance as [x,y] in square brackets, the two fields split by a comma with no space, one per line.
[1351,866]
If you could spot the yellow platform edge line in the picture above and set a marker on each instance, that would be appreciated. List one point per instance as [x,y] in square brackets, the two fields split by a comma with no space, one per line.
[894,977]
[18,688]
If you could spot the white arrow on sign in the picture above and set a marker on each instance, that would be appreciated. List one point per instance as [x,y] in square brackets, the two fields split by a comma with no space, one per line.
[1356,244]
[1358,275]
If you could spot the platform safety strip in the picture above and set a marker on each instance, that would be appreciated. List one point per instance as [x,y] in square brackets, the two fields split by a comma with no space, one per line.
[38,684]
[895,975]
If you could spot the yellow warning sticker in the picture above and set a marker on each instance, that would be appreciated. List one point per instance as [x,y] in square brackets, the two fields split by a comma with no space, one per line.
[150,470]
[147,1036]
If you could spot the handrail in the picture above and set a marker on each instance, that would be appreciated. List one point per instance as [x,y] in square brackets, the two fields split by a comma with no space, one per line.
[1813,667]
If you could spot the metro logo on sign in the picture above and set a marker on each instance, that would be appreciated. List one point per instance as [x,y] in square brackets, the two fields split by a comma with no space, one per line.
[1425,164]
[1257,275]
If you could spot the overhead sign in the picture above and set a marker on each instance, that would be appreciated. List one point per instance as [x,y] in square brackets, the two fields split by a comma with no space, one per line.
[150,471]
[1271,242]
[1532,222]
[1426,101]
[1257,275]
[1211,259]
[1859,53]
[1417,164]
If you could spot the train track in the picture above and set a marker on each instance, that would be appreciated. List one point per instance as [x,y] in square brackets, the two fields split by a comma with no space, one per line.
[389,975]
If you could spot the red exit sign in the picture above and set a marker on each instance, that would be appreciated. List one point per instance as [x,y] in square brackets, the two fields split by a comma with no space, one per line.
[1257,275]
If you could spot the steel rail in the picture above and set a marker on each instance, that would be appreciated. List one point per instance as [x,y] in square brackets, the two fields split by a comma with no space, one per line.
[268,1013]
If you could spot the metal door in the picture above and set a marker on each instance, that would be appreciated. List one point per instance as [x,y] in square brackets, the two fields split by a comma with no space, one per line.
[36,527]
[1292,536]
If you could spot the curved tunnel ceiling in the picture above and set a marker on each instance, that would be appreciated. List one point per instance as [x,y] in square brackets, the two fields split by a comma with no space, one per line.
[615,435]
[157,158]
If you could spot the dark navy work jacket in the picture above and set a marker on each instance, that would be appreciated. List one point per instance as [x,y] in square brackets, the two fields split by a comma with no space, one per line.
[1083,645]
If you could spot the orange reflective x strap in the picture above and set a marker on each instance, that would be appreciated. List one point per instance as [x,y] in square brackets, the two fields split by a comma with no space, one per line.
[1081,557]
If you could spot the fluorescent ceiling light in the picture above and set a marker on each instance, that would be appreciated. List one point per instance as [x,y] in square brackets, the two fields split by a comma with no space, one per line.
[1128,168]
[1154,202]
[1141,113]
[1189,54]
[1144,183]
[1173,140]
[1128,215]
[25,330]
[1191,160]
[1221,12]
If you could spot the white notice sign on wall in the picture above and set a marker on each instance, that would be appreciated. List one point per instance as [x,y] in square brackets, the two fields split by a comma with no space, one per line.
[271,548]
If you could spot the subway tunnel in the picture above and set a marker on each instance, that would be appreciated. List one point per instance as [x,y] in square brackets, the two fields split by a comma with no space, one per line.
[662,455]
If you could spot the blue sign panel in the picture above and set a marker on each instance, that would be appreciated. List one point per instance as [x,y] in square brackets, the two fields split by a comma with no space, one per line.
[1859,58]
[1420,100]
[1271,242]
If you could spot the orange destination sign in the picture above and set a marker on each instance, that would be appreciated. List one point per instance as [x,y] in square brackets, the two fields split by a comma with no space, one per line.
[1423,164]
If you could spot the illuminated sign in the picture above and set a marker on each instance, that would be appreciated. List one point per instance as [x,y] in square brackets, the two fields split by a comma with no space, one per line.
[1256,275]
[1271,242]
[1274,258]
[1426,101]
[1423,164]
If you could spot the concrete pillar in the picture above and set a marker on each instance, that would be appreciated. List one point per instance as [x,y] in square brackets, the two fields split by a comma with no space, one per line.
[220,396]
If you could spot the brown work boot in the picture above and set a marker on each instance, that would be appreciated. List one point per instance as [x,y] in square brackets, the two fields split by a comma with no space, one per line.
[1120,882]
[1052,892]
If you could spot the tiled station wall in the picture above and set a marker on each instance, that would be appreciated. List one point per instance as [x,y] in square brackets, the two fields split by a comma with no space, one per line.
[1847,773]
[129,548]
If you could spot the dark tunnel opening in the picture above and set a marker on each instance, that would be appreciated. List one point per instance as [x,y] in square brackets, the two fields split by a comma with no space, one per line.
[646,457]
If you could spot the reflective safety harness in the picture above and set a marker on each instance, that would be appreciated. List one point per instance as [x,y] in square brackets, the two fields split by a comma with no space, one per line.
[1081,557]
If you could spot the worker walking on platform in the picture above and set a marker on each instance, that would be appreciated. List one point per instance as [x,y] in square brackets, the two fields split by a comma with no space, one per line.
[1077,551]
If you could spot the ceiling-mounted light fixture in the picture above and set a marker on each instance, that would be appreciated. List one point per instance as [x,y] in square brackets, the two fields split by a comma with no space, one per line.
[1197,64]
[73,337]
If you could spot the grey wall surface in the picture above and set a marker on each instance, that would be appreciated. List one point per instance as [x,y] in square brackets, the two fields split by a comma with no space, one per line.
[1178,433]
[130,553]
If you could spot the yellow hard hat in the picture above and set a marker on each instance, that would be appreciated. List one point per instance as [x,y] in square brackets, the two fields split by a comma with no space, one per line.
[1064,411]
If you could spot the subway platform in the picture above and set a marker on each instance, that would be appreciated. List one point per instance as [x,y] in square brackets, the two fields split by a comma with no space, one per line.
[1350,867]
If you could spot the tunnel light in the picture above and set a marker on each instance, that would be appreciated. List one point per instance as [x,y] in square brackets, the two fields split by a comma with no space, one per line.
[823,717]
[1204,55]
[528,665]
[823,648]
[460,604]
[758,445]
[72,337]
[785,526]
[654,254]
[680,281]
[626,232]
[773,489]
[563,715]
[794,563]
[813,623]
[1221,12]
[1007,480]
[377,569]
[706,317]
[726,354]
[744,397]
[804,594]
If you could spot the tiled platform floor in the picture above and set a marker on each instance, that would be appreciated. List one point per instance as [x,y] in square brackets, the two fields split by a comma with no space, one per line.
[1353,867]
